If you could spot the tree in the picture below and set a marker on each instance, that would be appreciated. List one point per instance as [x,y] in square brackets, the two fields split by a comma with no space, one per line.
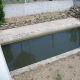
[1,13]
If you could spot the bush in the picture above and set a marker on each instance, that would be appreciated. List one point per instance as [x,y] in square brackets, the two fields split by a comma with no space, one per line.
[1,13]
[0,1]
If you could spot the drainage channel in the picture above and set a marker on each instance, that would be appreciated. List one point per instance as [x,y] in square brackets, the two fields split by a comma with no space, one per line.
[30,51]
[41,50]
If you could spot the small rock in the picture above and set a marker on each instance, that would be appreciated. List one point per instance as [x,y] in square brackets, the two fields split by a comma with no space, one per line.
[73,14]
[15,26]
[63,14]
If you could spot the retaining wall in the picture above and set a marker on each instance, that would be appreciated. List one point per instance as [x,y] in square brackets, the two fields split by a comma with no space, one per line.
[15,10]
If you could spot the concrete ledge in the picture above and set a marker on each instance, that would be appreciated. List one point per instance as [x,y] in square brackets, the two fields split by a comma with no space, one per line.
[36,30]
[44,62]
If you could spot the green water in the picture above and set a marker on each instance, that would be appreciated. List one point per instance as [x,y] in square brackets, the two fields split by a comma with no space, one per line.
[27,52]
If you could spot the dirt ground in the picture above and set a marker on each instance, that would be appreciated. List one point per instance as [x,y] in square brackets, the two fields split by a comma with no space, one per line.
[64,69]
[32,19]
[41,16]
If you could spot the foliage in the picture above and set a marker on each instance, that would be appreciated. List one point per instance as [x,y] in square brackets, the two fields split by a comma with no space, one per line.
[1,13]
[0,1]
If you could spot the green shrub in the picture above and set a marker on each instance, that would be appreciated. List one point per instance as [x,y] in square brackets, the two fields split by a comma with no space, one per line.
[1,13]
[0,1]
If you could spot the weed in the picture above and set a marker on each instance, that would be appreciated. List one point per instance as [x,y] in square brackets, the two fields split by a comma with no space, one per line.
[1,22]
[58,76]
[70,66]
[48,76]
[32,79]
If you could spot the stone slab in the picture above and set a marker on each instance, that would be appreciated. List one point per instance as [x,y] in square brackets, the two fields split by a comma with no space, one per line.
[36,30]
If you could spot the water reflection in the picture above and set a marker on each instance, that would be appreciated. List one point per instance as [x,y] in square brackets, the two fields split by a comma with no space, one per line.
[30,51]
[73,37]
[8,53]
[24,58]
[17,56]
[52,40]
[79,34]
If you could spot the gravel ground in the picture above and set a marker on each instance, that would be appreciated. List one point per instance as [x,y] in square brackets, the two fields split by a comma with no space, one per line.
[64,69]
[32,19]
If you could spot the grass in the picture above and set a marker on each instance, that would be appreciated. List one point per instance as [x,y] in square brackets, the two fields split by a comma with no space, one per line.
[1,23]
[19,1]
[32,79]
[70,66]
[48,76]
[58,76]
[13,1]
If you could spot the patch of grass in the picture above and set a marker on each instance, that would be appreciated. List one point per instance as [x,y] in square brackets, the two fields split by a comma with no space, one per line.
[70,66]
[32,79]
[1,22]
[48,76]
[58,75]
[50,69]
